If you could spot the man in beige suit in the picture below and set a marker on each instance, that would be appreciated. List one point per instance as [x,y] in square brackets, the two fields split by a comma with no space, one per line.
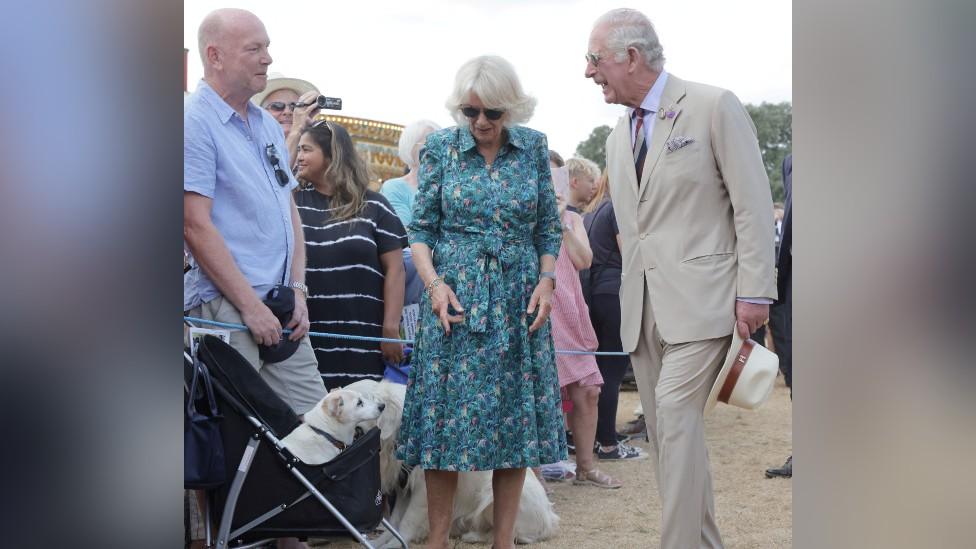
[694,210]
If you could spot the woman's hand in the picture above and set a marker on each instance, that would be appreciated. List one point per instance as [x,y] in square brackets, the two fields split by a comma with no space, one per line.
[541,298]
[442,296]
[303,116]
[392,352]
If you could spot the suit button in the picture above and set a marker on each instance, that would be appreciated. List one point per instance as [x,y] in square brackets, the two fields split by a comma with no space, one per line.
[643,236]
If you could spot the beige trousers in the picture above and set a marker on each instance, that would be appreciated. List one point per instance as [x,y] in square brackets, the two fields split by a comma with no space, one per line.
[296,379]
[674,381]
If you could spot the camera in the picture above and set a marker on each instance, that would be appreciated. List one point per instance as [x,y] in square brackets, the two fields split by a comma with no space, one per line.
[323,102]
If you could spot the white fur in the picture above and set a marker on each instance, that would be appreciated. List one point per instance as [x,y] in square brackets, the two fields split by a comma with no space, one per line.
[337,414]
[473,520]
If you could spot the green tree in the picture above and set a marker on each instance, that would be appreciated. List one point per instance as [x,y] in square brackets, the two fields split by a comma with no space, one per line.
[774,126]
[595,146]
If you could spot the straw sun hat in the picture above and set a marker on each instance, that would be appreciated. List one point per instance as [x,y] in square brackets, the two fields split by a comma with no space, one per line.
[278,82]
[747,376]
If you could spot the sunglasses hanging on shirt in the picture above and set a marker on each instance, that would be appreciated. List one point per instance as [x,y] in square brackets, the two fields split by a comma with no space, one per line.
[272,153]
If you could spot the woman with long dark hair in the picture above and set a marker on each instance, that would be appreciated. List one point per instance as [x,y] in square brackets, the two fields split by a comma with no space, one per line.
[353,244]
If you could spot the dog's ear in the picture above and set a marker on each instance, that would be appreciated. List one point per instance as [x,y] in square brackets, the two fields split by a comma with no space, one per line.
[389,420]
[334,403]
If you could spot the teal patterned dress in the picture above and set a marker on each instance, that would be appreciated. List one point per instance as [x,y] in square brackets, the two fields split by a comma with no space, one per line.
[487,395]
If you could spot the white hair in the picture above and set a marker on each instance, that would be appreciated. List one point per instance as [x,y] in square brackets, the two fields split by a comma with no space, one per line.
[582,167]
[410,137]
[628,28]
[494,81]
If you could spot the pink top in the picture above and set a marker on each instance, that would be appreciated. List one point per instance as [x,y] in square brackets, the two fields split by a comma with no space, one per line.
[571,327]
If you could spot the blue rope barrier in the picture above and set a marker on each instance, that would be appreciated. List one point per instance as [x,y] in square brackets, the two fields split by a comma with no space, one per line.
[379,339]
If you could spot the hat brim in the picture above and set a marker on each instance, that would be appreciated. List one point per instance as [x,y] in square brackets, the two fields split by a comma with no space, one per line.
[724,372]
[279,352]
[274,84]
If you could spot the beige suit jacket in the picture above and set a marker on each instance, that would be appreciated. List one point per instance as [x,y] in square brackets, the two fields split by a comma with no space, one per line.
[698,230]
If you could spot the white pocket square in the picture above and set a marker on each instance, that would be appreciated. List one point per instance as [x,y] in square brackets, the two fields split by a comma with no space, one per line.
[676,143]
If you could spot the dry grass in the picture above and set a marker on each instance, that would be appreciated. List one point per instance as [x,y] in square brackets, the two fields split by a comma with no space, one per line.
[753,511]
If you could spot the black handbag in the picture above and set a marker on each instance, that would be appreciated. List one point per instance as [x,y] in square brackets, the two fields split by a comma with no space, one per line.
[203,448]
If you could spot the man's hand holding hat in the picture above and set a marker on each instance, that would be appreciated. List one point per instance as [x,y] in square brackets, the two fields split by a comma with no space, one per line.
[749,317]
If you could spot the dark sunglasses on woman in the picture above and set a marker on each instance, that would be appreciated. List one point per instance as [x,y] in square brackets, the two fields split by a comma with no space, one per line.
[278,106]
[490,114]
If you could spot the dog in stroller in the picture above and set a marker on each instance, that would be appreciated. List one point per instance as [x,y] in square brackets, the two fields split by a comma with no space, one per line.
[271,491]
[330,426]
[473,517]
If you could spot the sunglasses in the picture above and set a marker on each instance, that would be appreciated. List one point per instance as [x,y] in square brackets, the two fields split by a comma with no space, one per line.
[490,114]
[593,58]
[272,154]
[322,123]
[278,106]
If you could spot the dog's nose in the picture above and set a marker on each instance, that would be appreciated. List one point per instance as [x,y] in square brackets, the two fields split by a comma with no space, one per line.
[381,406]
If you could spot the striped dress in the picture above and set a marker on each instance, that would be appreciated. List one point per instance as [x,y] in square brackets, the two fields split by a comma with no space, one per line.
[571,327]
[345,282]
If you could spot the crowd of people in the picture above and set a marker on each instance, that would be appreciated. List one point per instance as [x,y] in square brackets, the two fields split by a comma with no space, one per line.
[661,255]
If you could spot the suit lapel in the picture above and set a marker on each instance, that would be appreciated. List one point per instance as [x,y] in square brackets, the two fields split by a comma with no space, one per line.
[674,91]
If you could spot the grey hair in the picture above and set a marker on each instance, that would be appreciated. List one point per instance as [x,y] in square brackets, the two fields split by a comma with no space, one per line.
[582,166]
[494,81]
[410,137]
[630,28]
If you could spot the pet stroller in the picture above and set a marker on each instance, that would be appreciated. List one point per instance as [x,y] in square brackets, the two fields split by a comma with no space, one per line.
[272,494]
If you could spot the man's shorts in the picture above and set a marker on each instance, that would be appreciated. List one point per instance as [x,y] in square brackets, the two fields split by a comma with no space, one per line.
[296,380]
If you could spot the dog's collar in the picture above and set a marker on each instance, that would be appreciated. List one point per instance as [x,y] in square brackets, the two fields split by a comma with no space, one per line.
[338,443]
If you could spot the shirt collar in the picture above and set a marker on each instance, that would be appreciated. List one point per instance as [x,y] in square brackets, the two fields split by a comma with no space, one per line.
[652,101]
[516,137]
[224,111]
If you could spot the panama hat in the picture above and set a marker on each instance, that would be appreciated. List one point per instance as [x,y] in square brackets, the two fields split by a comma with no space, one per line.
[747,376]
[278,82]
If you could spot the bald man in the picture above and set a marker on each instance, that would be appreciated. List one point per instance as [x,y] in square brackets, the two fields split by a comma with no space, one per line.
[240,222]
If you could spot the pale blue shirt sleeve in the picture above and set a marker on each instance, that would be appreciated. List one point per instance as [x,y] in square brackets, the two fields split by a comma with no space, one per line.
[756,300]
[199,158]
[400,195]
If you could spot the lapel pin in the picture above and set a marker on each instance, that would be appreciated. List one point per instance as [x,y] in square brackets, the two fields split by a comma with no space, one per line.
[671,114]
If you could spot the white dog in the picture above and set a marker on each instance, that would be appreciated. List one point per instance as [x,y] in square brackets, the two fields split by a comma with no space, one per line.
[331,425]
[473,520]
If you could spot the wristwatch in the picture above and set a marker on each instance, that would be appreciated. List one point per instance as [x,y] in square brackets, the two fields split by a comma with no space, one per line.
[550,275]
[300,286]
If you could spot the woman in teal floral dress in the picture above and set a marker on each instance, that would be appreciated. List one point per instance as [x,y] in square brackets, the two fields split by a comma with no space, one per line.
[483,393]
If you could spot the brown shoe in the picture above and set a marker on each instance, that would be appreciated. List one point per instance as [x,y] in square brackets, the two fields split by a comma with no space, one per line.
[596,477]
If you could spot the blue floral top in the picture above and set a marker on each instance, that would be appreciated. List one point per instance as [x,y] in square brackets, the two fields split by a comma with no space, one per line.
[487,395]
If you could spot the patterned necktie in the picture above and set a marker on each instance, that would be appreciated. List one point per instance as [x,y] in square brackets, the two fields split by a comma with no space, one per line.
[640,146]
